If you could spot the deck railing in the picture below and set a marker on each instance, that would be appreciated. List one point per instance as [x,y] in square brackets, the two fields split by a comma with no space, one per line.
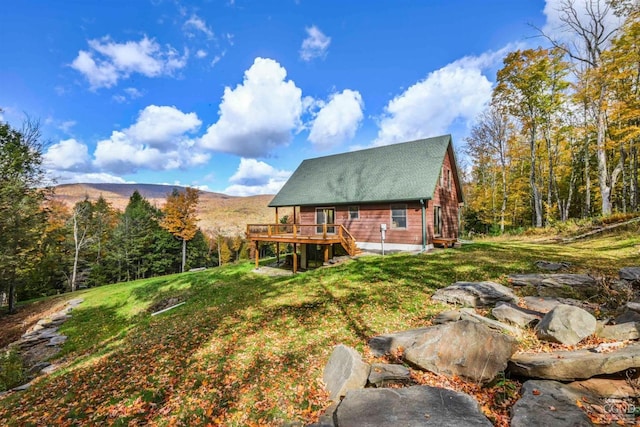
[304,232]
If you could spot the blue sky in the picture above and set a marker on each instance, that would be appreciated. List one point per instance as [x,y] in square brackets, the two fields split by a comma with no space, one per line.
[230,96]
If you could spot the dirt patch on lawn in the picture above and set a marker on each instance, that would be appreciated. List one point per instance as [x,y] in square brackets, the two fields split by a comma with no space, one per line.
[13,326]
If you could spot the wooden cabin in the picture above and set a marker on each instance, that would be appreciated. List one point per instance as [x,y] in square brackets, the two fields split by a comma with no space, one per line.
[342,202]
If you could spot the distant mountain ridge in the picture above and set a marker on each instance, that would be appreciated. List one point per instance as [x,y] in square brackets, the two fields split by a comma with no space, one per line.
[216,211]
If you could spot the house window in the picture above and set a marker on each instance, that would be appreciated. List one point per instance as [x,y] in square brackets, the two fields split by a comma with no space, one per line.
[398,216]
[354,212]
[449,179]
[437,221]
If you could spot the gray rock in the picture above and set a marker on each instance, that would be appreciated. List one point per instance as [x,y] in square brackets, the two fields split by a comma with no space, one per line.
[566,324]
[327,419]
[627,317]
[552,266]
[471,315]
[633,305]
[607,388]
[553,280]
[446,317]
[57,340]
[385,344]
[631,274]
[574,365]
[620,332]
[560,285]
[475,294]
[467,349]
[541,304]
[344,371]
[409,406]
[384,373]
[548,403]
[512,314]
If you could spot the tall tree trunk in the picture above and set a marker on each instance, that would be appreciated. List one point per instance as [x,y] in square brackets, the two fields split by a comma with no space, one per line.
[634,178]
[537,202]
[604,179]
[184,253]
[12,296]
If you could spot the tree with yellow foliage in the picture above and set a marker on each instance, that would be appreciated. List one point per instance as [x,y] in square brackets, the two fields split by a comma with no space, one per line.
[180,217]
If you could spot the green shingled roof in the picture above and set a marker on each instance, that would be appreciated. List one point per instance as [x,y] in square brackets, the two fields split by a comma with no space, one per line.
[398,172]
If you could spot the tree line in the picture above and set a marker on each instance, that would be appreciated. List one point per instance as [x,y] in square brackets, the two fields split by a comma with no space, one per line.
[560,137]
[47,247]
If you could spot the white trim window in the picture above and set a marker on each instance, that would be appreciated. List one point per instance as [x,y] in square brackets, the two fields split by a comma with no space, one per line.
[399,216]
[437,221]
[354,212]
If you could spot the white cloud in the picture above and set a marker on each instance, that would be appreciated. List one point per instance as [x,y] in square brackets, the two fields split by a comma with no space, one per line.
[69,177]
[259,114]
[198,24]
[201,54]
[158,140]
[458,91]
[315,45]
[67,125]
[129,94]
[338,120]
[161,126]
[107,62]
[255,177]
[67,155]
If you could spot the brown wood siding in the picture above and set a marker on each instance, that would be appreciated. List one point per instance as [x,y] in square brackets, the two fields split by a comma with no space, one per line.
[367,227]
[447,199]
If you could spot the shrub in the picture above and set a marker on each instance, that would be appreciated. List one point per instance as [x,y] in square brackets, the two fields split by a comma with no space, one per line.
[11,370]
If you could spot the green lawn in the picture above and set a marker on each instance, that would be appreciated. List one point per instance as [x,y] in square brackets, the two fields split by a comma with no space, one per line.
[248,349]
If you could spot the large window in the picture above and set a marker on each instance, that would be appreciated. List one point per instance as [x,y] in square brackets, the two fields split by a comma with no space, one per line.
[437,221]
[398,216]
[354,212]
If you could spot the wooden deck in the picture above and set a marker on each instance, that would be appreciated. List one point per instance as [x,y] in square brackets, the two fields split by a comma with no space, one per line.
[315,234]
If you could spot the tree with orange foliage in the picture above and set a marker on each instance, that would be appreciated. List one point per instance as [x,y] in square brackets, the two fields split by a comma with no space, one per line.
[180,217]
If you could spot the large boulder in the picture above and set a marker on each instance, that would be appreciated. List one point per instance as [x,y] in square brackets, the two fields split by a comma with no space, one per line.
[575,365]
[475,294]
[465,348]
[608,388]
[548,403]
[409,406]
[566,324]
[345,371]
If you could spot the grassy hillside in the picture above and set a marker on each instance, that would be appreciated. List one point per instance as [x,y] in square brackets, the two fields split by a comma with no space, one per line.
[249,349]
[215,210]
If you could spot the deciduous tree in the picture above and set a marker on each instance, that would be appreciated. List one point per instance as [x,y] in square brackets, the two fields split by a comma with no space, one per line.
[180,217]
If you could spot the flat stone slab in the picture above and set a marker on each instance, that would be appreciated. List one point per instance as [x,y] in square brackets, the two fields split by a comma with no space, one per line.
[385,373]
[409,406]
[475,294]
[607,388]
[385,344]
[514,315]
[553,280]
[546,304]
[620,332]
[548,403]
[345,371]
[631,274]
[575,365]
[552,266]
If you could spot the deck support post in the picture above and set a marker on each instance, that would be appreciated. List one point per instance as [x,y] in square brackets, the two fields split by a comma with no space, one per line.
[424,224]
[277,243]
[295,258]
[326,253]
[257,253]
